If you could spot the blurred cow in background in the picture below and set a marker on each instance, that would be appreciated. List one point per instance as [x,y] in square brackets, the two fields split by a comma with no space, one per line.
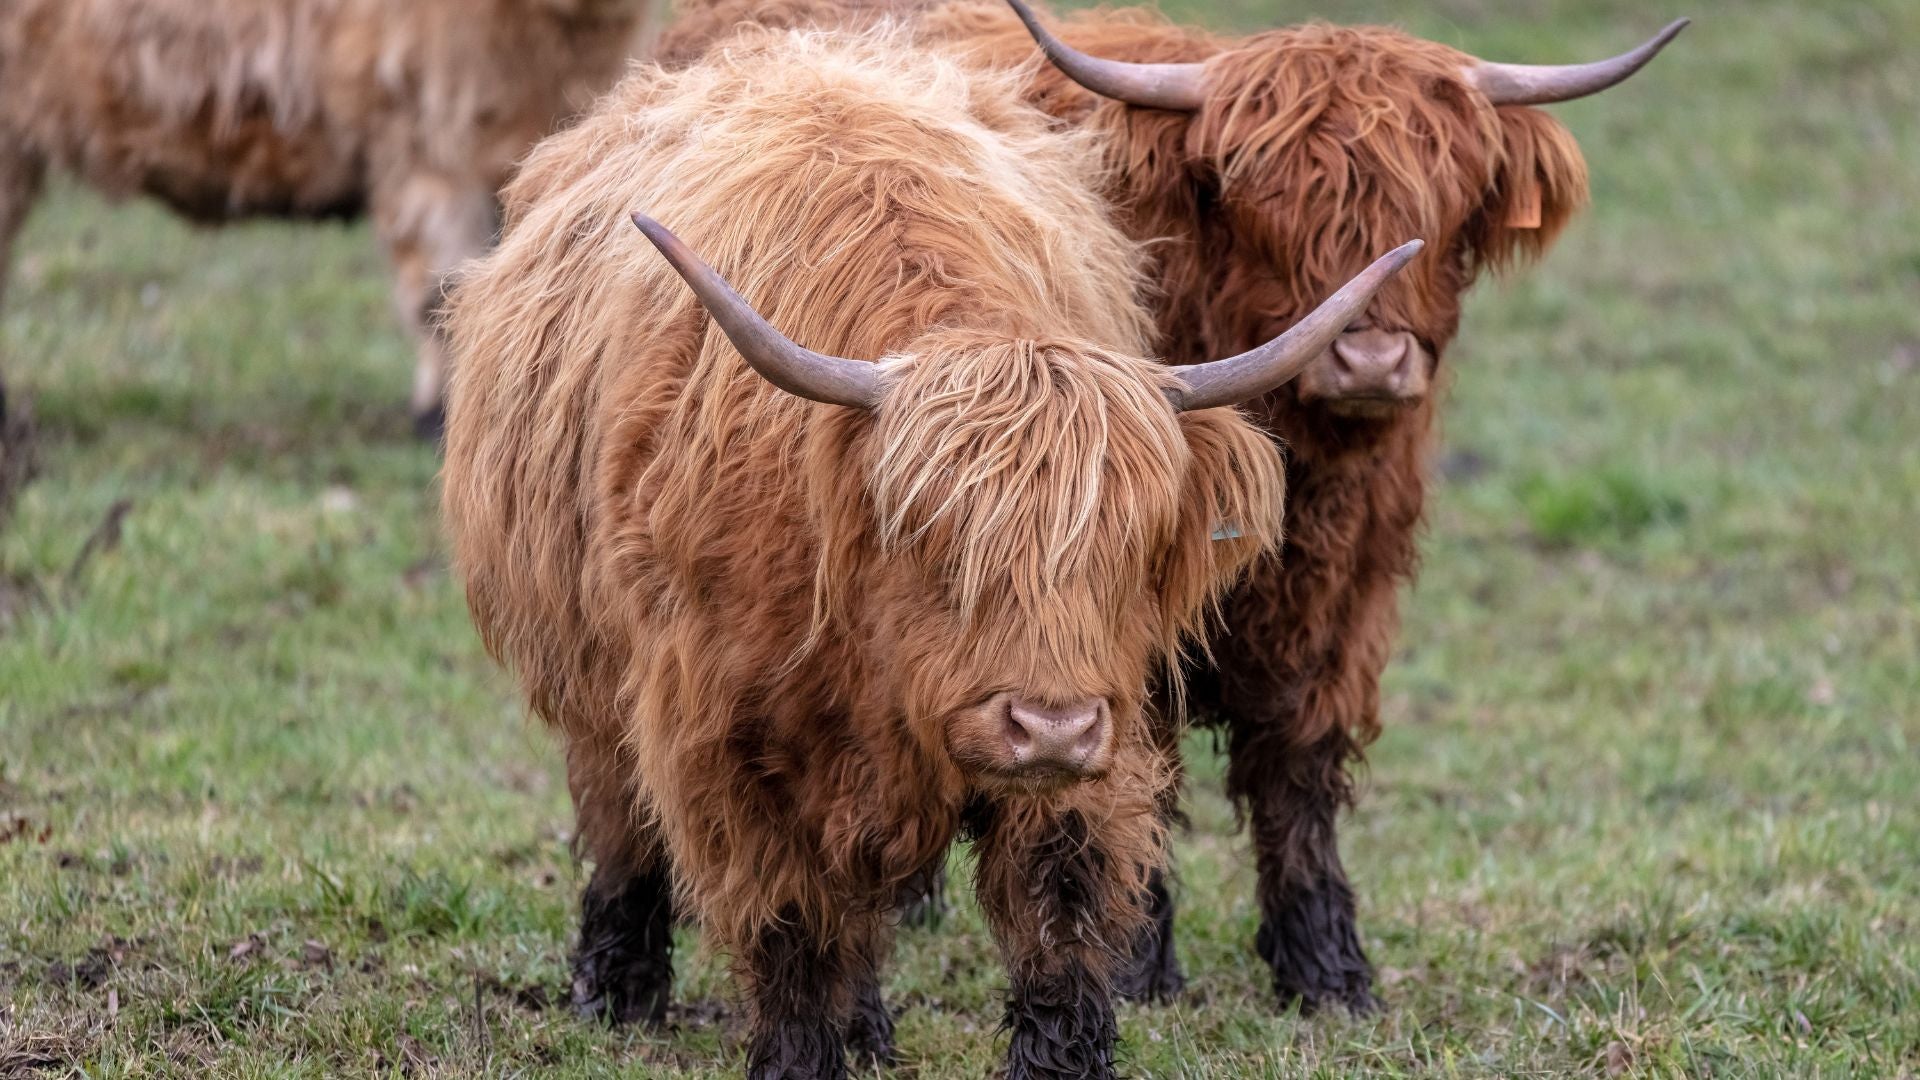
[412,112]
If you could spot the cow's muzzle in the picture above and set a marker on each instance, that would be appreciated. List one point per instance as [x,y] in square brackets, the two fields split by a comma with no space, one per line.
[1073,740]
[1369,373]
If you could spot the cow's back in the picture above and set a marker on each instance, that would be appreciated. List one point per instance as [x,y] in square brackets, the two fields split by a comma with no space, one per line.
[302,108]
[216,108]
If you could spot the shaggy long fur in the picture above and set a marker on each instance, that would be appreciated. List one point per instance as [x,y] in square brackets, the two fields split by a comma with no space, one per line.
[1318,147]
[413,111]
[760,622]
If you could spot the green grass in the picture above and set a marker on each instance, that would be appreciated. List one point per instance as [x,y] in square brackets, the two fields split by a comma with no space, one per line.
[1646,801]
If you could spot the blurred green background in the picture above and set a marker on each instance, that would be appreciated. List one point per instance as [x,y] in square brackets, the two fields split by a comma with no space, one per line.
[1646,801]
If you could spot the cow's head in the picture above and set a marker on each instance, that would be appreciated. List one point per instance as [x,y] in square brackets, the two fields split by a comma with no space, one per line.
[1312,144]
[1022,531]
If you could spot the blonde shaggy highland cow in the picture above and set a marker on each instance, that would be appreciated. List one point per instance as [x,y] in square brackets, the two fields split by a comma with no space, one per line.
[803,620]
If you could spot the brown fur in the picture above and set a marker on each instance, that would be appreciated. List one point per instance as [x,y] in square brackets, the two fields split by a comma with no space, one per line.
[1318,148]
[413,111]
[771,623]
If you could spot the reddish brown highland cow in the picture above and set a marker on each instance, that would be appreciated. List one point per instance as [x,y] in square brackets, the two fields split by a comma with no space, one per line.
[412,111]
[1276,165]
[804,620]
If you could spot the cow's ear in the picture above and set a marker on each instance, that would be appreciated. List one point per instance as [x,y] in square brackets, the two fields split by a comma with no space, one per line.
[1540,184]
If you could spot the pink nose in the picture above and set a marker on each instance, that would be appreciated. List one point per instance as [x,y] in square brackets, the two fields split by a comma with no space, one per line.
[1069,738]
[1375,363]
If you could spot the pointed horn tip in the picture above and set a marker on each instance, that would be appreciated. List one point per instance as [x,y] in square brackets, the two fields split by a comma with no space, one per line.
[1536,84]
[1665,37]
[1386,266]
[653,230]
[1657,44]
[677,253]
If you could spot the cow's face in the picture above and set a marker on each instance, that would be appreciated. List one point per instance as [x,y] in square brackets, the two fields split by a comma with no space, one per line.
[1319,143]
[1049,531]
[1288,159]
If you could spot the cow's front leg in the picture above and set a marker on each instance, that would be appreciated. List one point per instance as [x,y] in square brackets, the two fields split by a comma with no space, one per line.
[1152,973]
[1060,1019]
[623,967]
[1064,900]
[869,1021]
[870,1026]
[1152,970]
[1299,702]
[1308,934]
[799,988]
[431,223]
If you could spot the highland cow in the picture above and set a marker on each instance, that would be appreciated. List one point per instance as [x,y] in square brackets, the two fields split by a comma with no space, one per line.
[411,112]
[1272,162]
[1269,167]
[803,620]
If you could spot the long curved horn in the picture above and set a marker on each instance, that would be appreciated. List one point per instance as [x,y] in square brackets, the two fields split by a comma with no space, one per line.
[1157,86]
[1273,365]
[799,371]
[1543,84]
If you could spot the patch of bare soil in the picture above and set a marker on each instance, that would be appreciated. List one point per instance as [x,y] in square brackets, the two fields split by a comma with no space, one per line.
[92,969]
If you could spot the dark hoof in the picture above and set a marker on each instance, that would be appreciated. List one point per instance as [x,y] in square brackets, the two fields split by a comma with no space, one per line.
[1060,1027]
[1316,958]
[431,426]
[870,1032]
[618,998]
[797,1050]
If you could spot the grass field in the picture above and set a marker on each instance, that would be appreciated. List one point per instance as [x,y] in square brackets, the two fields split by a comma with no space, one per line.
[1646,804]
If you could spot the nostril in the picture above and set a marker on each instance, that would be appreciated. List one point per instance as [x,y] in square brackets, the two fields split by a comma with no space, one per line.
[1342,360]
[1019,739]
[1088,744]
[1403,360]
